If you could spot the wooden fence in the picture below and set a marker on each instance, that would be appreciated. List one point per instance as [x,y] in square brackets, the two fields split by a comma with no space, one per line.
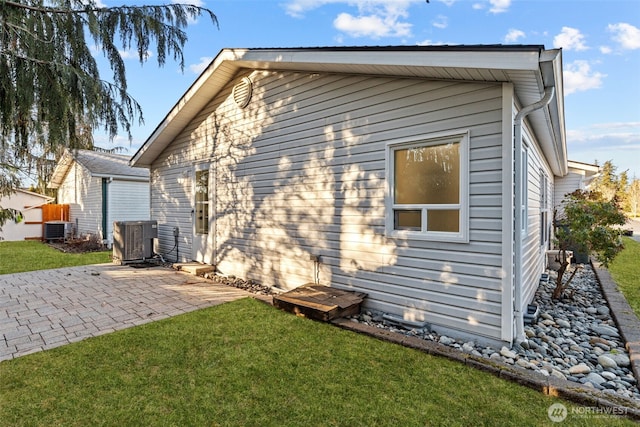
[53,212]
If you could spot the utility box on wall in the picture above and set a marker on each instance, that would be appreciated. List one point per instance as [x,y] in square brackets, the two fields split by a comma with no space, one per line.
[133,240]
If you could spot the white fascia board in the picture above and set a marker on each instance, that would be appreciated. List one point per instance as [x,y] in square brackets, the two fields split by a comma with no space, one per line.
[504,60]
[31,193]
[211,80]
[61,170]
[121,177]
[194,99]
[585,167]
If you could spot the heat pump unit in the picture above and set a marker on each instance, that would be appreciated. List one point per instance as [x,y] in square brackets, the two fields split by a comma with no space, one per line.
[58,230]
[133,240]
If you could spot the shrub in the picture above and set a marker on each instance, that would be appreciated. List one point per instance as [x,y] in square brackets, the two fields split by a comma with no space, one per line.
[588,224]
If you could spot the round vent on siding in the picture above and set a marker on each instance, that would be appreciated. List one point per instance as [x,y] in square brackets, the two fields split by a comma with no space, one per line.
[242,92]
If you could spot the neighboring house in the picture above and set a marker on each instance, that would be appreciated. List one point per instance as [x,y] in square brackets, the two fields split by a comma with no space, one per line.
[418,175]
[579,178]
[29,224]
[100,188]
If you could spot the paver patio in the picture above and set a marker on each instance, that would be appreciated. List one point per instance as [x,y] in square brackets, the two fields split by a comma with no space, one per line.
[44,309]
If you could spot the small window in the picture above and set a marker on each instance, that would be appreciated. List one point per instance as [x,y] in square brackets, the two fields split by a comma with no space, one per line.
[428,188]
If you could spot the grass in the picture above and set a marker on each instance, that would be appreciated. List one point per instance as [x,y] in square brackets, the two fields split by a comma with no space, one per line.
[18,257]
[247,364]
[625,270]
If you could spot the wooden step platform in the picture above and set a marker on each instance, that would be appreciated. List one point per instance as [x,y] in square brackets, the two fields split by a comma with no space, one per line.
[194,268]
[320,302]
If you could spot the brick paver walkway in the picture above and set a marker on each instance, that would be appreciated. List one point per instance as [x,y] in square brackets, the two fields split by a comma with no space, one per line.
[41,310]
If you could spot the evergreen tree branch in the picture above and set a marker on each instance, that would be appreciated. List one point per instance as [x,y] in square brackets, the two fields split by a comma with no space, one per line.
[52,94]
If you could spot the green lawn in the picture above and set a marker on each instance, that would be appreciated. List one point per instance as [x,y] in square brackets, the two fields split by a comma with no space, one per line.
[625,270]
[248,364]
[17,257]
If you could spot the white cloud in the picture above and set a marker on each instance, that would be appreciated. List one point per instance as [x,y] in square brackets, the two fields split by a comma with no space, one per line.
[371,26]
[199,3]
[495,6]
[200,66]
[513,35]
[578,77]
[448,2]
[605,50]
[441,22]
[619,142]
[432,43]
[626,35]
[570,39]
[374,18]
[132,54]
[499,6]
[297,8]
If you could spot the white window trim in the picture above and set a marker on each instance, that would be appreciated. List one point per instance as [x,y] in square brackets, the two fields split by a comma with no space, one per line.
[524,209]
[462,236]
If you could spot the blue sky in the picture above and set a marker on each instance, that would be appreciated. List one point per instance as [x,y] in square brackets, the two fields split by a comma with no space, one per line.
[600,41]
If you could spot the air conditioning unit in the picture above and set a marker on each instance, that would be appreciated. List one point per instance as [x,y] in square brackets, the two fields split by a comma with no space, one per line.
[58,230]
[133,240]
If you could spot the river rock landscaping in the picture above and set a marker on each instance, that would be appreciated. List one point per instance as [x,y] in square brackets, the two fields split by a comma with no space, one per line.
[573,338]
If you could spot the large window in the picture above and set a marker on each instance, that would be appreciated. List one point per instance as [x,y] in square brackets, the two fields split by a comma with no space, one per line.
[428,188]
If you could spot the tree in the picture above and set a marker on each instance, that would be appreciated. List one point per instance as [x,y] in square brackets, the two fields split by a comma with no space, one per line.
[589,224]
[609,185]
[634,198]
[52,95]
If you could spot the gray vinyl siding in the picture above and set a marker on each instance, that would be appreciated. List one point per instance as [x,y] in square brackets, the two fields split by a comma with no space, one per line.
[83,194]
[301,171]
[567,184]
[171,207]
[533,253]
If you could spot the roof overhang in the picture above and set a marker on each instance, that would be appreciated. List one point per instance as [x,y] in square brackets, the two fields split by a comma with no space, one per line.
[530,68]
[588,171]
[61,170]
[587,168]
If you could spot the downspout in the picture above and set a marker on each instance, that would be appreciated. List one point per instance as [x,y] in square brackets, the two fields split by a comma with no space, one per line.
[517,134]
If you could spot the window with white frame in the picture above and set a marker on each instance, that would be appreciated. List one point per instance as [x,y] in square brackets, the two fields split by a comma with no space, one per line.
[524,208]
[429,188]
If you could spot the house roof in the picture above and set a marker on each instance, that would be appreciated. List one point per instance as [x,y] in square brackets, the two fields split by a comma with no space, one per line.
[587,168]
[588,171]
[99,164]
[530,68]
[45,199]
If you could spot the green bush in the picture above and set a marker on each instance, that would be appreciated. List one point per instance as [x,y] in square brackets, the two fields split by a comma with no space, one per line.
[590,225]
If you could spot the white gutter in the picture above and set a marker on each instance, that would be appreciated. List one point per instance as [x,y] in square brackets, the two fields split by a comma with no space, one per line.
[517,124]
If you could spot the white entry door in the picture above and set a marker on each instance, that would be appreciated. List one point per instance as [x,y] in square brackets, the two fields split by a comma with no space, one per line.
[203,221]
